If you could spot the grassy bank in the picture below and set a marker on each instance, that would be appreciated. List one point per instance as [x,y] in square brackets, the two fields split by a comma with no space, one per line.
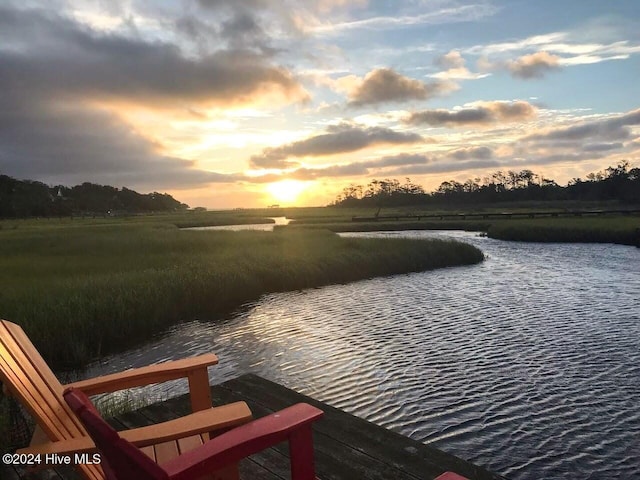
[180,220]
[381,226]
[81,291]
[622,230]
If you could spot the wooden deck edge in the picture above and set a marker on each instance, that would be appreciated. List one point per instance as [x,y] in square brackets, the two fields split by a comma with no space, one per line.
[410,456]
[346,447]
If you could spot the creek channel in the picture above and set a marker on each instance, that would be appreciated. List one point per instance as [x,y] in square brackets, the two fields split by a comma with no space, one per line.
[527,364]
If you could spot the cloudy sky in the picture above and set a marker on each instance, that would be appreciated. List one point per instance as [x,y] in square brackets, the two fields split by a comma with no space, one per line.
[241,103]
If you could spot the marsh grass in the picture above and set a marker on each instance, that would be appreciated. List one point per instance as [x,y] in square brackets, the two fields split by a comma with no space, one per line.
[381,226]
[180,220]
[112,405]
[624,230]
[82,291]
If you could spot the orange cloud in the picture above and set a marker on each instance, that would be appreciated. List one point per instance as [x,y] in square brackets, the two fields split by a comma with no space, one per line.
[534,65]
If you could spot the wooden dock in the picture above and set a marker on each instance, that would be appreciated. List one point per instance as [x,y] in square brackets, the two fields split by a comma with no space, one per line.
[347,447]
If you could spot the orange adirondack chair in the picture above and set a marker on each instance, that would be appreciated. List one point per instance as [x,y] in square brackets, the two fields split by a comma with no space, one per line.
[123,461]
[26,377]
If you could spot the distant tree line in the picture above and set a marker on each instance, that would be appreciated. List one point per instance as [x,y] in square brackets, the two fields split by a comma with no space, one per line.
[620,183]
[27,198]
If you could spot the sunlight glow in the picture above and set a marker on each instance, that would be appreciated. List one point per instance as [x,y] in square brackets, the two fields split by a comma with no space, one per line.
[286,191]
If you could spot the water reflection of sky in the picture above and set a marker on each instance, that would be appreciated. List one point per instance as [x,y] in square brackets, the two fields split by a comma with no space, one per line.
[252,226]
[527,363]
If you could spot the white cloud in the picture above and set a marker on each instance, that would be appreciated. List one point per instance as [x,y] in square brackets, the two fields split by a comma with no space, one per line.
[455,67]
[459,74]
[463,13]
[563,45]
[530,43]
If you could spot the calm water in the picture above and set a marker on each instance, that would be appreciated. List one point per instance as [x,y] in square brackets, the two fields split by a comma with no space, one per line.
[528,364]
[267,227]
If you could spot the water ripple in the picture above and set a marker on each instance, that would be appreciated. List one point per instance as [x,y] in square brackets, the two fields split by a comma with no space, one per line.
[528,363]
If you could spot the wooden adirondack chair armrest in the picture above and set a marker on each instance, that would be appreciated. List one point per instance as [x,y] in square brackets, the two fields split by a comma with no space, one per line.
[62,447]
[218,418]
[292,424]
[194,369]
[137,377]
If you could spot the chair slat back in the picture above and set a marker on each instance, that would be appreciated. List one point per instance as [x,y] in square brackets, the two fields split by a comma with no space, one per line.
[29,379]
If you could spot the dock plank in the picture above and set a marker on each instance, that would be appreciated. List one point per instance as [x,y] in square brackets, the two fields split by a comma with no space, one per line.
[335,459]
[346,432]
[346,447]
[252,470]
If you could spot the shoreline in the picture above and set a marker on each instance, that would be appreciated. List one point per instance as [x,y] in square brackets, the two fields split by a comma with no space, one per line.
[624,230]
[83,293]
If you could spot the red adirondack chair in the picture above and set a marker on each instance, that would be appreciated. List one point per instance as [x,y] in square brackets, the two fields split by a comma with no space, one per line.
[121,460]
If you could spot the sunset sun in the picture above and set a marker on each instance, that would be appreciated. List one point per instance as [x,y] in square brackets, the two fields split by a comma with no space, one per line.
[286,191]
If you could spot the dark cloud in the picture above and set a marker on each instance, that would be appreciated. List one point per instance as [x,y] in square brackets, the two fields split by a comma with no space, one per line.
[485,113]
[73,145]
[386,85]
[602,147]
[535,65]
[563,157]
[456,160]
[459,160]
[508,111]
[59,58]
[480,153]
[446,117]
[588,140]
[244,29]
[397,160]
[54,70]
[234,4]
[267,15]
[340,138]
[444,167]
[199,32]
[347,170]
[608,129]
[481,157]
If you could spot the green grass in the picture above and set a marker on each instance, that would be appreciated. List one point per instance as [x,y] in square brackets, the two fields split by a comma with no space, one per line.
[623,230]
[313,215]
[469,225]
[85,290]
[124,401]
[181,220]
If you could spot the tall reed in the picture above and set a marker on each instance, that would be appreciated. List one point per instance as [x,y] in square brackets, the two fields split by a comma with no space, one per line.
[81,292]
[622,230]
